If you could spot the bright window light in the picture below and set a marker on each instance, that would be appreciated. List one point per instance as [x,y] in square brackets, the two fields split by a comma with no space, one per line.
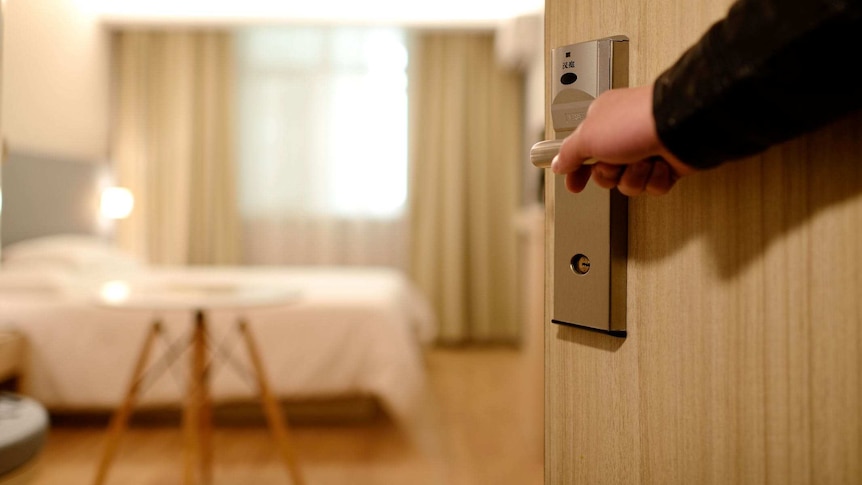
[323,121]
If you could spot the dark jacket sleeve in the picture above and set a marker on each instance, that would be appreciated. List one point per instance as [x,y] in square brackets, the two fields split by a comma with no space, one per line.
[769,71]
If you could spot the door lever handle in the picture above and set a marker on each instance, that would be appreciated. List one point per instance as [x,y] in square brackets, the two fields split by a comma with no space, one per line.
[543,153]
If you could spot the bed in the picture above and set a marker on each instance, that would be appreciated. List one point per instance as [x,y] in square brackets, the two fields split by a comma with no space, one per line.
[348,332]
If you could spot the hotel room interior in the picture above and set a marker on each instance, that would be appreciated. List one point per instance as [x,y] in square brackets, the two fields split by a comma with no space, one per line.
[232,213]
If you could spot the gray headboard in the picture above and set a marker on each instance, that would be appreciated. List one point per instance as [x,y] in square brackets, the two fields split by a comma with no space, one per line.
[45,195]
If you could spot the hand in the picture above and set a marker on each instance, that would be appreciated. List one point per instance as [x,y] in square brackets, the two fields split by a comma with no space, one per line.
[619,131]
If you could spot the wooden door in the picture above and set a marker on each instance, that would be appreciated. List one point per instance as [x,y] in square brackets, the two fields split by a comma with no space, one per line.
[742,363]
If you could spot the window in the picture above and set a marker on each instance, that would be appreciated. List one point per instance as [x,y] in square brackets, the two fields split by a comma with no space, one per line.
[322,122]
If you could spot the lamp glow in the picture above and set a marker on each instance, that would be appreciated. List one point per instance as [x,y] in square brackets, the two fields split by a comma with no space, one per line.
[115,291]
[117,202]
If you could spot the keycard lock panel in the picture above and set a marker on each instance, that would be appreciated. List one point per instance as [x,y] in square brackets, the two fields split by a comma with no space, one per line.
[590,231]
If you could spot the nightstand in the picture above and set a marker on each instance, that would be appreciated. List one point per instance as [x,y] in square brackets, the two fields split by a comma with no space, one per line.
[11,359]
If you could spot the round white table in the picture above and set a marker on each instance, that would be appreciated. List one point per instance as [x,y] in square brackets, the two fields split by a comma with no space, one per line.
[200,298]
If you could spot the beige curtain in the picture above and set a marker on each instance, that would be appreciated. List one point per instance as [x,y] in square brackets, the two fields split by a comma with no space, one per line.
[173,145]
[465,154]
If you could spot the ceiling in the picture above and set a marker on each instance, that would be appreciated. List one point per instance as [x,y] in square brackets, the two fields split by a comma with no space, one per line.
[444,13]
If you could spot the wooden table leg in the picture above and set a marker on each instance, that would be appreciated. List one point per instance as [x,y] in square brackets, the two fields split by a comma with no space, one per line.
[197,413]
[277,424]
[206,404]
[120,419]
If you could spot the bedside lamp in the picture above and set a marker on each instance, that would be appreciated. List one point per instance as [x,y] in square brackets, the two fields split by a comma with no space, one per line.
[116,203]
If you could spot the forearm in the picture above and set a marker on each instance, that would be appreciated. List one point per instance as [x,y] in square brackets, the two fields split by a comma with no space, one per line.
[771,70]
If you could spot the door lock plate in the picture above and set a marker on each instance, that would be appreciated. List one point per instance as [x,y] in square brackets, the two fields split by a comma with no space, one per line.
[590,230]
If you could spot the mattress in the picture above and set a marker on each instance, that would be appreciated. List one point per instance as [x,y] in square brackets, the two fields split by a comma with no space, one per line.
[344,331]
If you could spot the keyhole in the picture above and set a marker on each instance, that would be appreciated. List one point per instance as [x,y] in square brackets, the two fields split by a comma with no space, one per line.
[580,264]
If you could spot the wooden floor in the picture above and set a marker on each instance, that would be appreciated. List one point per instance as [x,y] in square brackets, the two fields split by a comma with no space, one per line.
[482,425]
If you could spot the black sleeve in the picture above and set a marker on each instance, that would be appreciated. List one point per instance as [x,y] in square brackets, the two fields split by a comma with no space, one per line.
[769,71]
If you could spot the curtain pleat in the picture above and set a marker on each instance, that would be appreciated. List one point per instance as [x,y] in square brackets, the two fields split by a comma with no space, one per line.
[172,145]
[466,125]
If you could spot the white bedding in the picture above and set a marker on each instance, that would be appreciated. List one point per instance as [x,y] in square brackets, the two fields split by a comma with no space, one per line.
[349,331]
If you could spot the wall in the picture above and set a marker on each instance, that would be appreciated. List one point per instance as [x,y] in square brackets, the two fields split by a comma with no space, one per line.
[519,44]
[55,86]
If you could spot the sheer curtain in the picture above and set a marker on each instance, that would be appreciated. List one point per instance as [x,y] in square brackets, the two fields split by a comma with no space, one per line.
[466,154]
[172,145]
[322,145]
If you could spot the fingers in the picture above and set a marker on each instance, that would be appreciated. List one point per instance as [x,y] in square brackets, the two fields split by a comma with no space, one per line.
[661,180]
[607,176]
[634,178]
[577,180]
[568,160]
[654,177]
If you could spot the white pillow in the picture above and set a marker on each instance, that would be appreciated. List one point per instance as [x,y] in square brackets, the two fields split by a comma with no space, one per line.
[68,252]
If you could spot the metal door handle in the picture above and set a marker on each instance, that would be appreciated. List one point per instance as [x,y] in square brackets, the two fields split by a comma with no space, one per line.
[543,153]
